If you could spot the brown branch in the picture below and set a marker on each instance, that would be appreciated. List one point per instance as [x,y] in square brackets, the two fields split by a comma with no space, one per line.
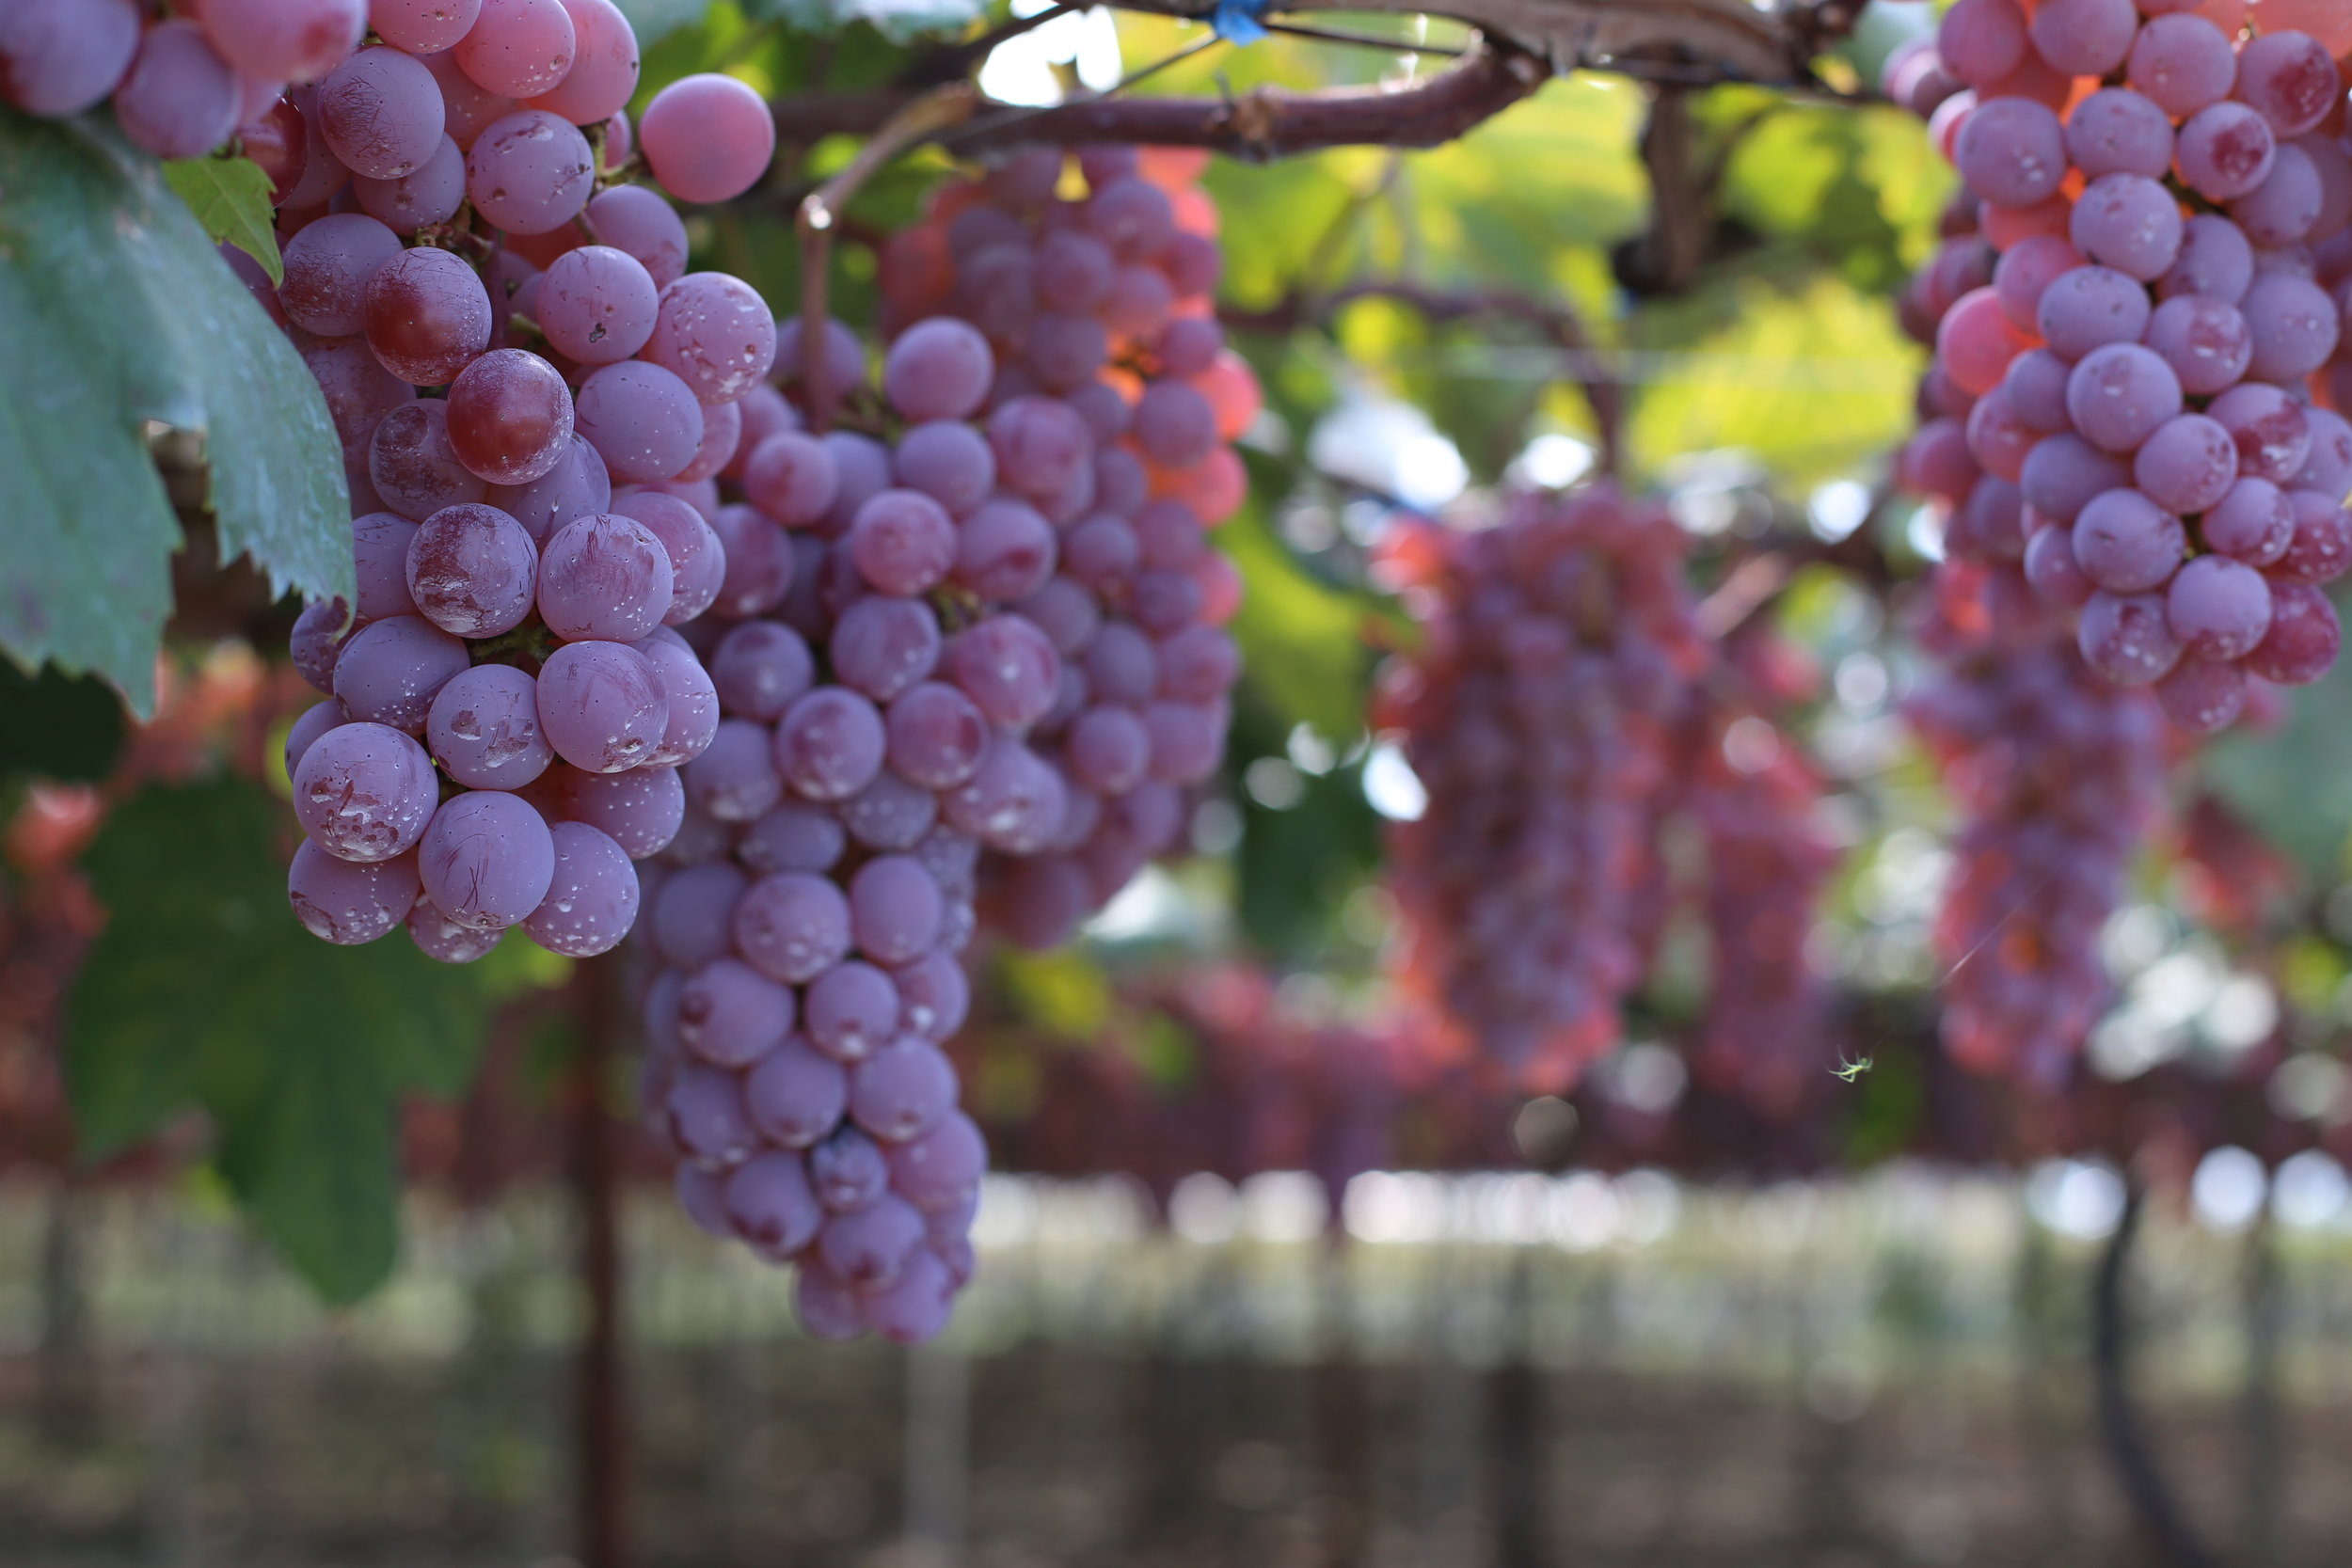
[1701,41]
[1261,125]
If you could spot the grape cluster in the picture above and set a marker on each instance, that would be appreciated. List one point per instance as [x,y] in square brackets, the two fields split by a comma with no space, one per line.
[1755,799]
[1113,403]
[965,671]
[1542,716]
[2136,302]
[2058,773]
[509,700]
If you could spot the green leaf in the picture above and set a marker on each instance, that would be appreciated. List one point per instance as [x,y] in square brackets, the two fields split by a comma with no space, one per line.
[2295,783]
[56,725]
[203,991]
[118,311]
[230,197]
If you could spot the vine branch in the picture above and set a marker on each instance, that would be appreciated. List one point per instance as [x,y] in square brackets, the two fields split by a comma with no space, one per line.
[1518,45]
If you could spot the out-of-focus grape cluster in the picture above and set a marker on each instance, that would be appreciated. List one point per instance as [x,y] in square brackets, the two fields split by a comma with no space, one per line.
[2136,312]
[1543,716]
[1112,408]
[2059,775]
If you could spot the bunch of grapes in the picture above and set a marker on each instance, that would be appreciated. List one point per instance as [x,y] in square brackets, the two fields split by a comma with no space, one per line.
[1755,799]
[2058,773]
[2134,306]
[966,663]
[1541,716]
[1113,403]
[508,698]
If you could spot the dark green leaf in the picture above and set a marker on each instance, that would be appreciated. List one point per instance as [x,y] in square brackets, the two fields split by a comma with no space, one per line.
[230,197]
[204,992]
[56,725]
[118,311]
[2295,783]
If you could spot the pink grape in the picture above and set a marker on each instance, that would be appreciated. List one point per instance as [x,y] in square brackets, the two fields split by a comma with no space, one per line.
[390,671]
[601,706]
[685,687]
[642,420]
[1981,40]
[531,172]
[2083,38]
[2128,222]
[423,26]
[2125,638]
[735,779]
[597,304]
[2274,439]
[2011,151]
[576,486]
[327,267]
[2025,270]
[2217,608]
[346,903]
[2303,640]
[2216,260]
[2203,696]
[591,898]
[2294,326]
[2289,80]
[1004,551]
[487,861]
[796,1096]
[364,792]
[59,58]
[902,1091]
[2187,464]
[882,645]
[635,219]
[895,909]
[938,369]
[2253,522]
[470,570]
[794,836]
[2224,150]
[603,74]
[604,578]
[1008,667]
[510,416]
[2206,341]
[715,333]
[2286,205]
[518,48]
[697,561]
[792,927]
[936,736]
[759,561]
[179,99]
[427,195]
[2119,393]
[484,728]
[708,137]
[1975,343]
[2183,63]
[2321,550]
[829,744]
[380,112]
[1013,802]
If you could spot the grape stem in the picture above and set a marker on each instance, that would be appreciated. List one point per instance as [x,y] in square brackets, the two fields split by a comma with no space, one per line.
[819,216]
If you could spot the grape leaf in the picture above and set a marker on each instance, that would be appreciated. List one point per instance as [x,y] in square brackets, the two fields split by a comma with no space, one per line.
[2294,783]
[57,726]
[230,197]
[117,312]
[204,992]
